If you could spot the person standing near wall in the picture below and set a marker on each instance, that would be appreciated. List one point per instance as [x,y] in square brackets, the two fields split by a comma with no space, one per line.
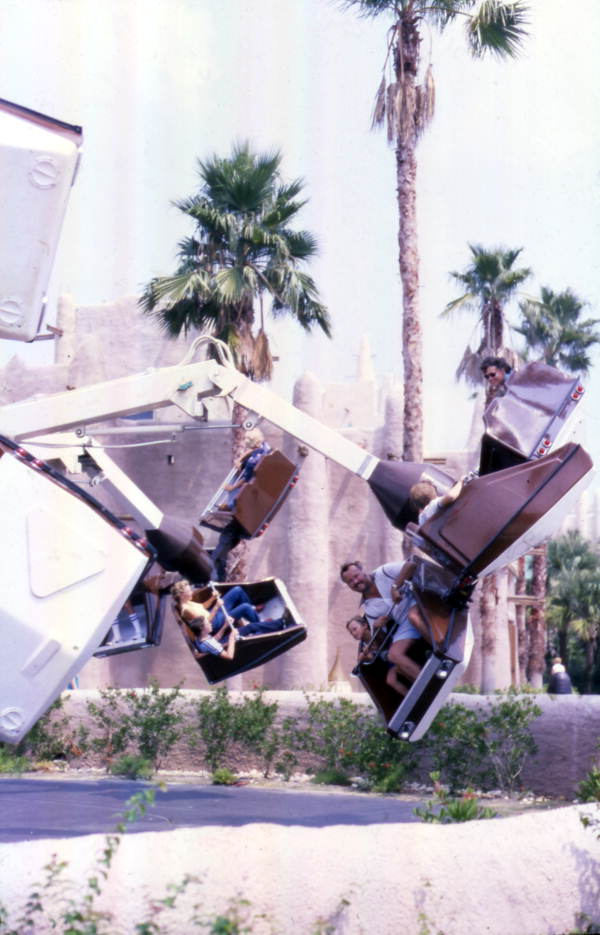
[560,682]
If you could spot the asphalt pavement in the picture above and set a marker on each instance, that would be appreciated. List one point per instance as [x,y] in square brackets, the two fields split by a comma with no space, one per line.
[32,808]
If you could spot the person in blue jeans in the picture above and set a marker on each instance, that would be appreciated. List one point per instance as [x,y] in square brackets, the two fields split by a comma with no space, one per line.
[256,449]
[237,604]
[217,613]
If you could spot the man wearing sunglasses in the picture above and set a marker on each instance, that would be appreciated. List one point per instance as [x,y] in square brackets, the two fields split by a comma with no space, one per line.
[495,371]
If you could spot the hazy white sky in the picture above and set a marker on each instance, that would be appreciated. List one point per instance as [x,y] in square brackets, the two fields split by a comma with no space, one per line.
[511,158]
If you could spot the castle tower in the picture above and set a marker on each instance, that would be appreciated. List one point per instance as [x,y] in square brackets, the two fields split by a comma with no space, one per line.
[308,555]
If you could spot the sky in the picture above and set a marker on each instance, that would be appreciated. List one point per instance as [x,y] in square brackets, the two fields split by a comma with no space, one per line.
[511,158]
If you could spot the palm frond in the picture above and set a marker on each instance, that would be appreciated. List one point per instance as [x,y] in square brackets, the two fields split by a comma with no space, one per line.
[288,192]
[468,368]
[282,212]
[242,246]
[370,8]
[174,288]
[466,302]
[498,27]
[301,245]
[188,314]
[425,101]
[379,109]
[231,284]
[552,328]
[296,291]
[442,12]
[262,360]
[241,182]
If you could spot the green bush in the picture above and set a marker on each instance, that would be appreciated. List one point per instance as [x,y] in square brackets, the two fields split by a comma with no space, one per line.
[216,726]
[508,738]
[154,720]
[10,762]
[286,764]
[235,921]
[588,789]
[255,729]
[50,738]
[483,748]
[331,733]
[223,776]
[383,762]
[112,729]
[143,723]
[446,809]
[486,748]
[394,780]
[342,738]
[331,776]
[456,746]
[132,766]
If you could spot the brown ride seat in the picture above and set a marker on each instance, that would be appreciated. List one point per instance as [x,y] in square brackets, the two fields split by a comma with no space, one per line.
[262,496]
[525,421]
[259,499]
[447,648]
[250,651]
[502,515]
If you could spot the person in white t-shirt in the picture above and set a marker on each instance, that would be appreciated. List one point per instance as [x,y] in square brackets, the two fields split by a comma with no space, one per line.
[385,596]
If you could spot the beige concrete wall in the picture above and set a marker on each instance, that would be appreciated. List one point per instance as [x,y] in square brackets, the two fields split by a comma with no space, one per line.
[513,876]
[567,733]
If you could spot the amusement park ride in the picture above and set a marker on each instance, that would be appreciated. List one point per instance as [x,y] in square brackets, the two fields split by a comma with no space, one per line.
[73,576]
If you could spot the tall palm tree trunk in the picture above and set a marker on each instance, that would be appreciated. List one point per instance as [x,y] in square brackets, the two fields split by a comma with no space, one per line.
[488,611]
[521,621]
[406,61]
[537,620]
[493,326]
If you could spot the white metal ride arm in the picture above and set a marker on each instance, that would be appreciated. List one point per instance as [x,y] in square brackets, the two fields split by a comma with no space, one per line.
[183,385]
[152,389]
[68,447]
[294,421]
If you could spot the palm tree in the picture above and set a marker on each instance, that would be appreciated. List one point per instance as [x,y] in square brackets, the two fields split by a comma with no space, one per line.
[575,605]
[569,556]
[405,102]
[587,627]
[490,282]
[571,551]
[242,253]
[554,331]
